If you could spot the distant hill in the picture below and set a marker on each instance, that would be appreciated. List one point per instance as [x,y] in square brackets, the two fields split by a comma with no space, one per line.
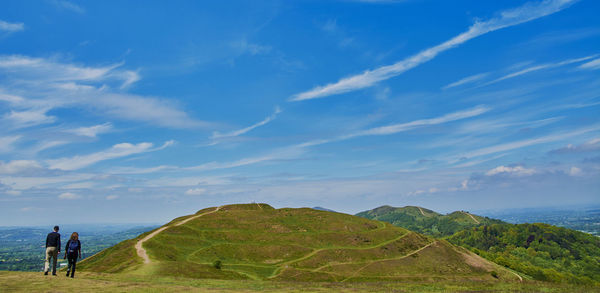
[256,241]
[542,251]
[426,221]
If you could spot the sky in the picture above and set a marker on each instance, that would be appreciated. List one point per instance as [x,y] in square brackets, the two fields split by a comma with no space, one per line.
[143,111]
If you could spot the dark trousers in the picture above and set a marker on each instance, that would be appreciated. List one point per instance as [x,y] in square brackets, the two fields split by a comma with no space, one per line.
[72,257]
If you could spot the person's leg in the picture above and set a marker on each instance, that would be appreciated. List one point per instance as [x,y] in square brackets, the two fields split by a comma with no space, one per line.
[74,264]
[69,265]
[47,262]
[54,260]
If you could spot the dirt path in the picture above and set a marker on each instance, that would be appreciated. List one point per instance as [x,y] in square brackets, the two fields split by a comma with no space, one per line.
[141,252]
[395,258]
[472,217]
[284,265]
[420,210]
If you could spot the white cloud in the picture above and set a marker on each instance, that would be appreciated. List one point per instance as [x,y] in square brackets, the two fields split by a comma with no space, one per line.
[112,197]
[592,65]
[29,118]
[18,166]
[574,171]
[589,146]
[11,27]
[525,143]
[196,191]
[49,84]
[540,67]
[63,4]
[466,80]
[69,195]
[92,131]
[116,151]
[7,143]
[522,14]
[513,171]
[400,127]
[217,135]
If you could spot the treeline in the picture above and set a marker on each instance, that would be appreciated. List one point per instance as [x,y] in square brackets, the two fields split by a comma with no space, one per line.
[542,251]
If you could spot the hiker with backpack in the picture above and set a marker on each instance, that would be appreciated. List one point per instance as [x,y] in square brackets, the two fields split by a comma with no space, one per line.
[72,251]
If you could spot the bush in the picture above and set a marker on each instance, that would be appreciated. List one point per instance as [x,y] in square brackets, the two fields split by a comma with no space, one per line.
[217,264]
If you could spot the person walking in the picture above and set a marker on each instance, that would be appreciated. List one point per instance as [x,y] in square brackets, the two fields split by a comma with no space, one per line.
[52,250]
[72,250]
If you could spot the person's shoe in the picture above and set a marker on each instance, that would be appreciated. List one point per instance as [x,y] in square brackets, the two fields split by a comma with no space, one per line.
[54,274]
[45,273]
[72,276]
[67,273]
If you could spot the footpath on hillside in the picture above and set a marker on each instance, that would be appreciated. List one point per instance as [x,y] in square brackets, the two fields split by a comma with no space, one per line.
[141,252]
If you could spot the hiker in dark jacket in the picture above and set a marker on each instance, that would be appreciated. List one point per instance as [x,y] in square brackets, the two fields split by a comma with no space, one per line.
[52,250]
[72,250]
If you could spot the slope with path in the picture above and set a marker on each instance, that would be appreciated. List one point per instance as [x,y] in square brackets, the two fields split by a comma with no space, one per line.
[141,252]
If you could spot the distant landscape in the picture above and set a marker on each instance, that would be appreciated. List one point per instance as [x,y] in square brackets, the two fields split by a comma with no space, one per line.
[23,248]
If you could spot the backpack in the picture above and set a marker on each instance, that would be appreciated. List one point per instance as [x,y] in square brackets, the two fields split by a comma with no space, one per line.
[73,245]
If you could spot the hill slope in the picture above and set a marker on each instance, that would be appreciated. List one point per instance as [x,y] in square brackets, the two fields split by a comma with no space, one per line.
[256,241]
[542,251]
[426,221]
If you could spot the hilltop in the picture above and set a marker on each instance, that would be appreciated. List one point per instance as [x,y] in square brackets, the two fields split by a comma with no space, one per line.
[426,221]
[256,241]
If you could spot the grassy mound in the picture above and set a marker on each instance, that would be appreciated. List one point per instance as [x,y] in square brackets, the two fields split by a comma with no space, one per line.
[256,241]
[426,221]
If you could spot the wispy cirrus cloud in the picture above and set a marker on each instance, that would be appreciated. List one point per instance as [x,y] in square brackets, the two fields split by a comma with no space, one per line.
[32,85]
[7,143]
[539,67]
[466,80]
[91,131]
[522,14]
[11,27]
[592,65]
[589,146]
[525,143]
[66,5]
[116,151]
[217,135]
[401,127]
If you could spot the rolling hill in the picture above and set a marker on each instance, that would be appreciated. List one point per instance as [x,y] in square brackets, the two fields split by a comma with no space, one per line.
[543,251]
[426,221]
[258,242]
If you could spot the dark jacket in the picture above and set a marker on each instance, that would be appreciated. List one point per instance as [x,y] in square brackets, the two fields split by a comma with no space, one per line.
[53,240]
[76,252]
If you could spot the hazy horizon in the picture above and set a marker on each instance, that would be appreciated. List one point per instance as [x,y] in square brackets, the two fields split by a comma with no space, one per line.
[114,112]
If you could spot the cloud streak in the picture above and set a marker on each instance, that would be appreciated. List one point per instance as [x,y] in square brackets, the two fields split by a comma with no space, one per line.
[401,127]
[522,14]
[116,151]
[11,27]
[217,135]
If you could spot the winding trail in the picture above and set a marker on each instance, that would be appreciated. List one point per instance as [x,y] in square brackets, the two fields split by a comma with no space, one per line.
[472,217]
[395,258]
[141,252]
[420,210]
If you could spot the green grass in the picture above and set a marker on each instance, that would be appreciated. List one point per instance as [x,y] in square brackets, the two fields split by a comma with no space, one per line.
[426,221]
[99,282]
[258,242]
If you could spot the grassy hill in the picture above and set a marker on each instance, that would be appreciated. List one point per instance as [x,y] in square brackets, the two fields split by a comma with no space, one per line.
[426,221]
[258,242]
[542,251]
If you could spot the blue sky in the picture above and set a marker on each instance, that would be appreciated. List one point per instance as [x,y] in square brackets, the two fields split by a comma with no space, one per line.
[142,111]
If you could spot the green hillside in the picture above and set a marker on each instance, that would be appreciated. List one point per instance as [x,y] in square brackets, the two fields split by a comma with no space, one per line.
[426,221]
[256,241]
[542,251]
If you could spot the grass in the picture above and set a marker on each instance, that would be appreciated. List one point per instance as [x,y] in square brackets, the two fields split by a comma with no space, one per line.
[258,242]
[99,282]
